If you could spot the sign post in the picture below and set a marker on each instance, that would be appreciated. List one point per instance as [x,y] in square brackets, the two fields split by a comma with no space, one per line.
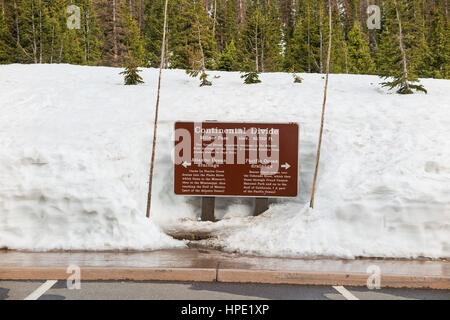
[221,159]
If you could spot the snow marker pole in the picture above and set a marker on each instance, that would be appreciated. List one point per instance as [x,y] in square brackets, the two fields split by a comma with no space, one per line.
[311,203]
[155,126]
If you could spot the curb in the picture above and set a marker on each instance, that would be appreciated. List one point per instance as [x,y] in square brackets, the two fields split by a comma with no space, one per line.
[331,279]
[112,274]
[225,275]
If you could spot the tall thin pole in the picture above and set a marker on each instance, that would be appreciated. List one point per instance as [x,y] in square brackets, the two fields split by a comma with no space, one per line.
[155,125]
[311,204]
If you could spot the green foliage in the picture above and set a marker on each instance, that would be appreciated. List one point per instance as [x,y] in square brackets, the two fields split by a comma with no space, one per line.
[297,78]
[134,42]
[440,45]
[5,38]
[92,36]
[203,77]
[359,58]
[260,36]
[303,52]
[396,68]
[338,62]
[153,29]
[131,73]
[184,43]
[204,80]
[228,59]
[227,28]
[251,77]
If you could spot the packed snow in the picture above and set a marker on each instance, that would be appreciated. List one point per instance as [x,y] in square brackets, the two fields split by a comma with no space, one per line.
[75,146]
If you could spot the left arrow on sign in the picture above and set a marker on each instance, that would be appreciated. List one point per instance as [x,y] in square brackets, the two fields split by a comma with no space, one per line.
[186,164]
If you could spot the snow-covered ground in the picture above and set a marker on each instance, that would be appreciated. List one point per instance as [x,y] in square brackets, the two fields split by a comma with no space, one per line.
[75,146]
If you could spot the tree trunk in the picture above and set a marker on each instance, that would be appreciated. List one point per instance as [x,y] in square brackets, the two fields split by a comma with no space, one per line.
[33,33]
[256,47]
[53,43]
[311,204]
[40,31]
[343,33]
[141,10]
[262,47]
[402,49]
[309,38]
[16,20]
[115,47]
[155,125]
[321,41]
[201,47]
[215,19]
[241,12]
[61,49]
[86,32]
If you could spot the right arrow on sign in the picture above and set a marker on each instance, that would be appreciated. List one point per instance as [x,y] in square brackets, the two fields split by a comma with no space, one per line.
[285,166]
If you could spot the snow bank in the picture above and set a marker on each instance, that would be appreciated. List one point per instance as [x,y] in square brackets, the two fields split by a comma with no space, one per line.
[75,145]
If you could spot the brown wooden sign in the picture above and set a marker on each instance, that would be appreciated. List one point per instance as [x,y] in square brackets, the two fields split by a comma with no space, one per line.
[236,159]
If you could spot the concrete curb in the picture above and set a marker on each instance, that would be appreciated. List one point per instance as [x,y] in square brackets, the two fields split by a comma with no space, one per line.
[113,274]
[225,275]
[331,279]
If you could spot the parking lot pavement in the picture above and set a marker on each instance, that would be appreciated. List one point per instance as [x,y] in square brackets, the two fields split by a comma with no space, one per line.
[124,290]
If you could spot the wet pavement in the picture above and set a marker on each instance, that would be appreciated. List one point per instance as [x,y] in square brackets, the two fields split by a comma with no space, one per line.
[216,266]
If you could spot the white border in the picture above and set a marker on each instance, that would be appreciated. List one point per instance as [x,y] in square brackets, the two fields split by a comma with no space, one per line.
[240,196]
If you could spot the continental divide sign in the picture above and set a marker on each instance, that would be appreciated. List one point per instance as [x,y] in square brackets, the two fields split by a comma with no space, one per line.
[236,159]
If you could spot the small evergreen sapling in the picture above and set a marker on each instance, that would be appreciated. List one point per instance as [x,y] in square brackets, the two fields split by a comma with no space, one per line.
[297,78]
[131,73]
[204,80]
[203,77]
[251,77]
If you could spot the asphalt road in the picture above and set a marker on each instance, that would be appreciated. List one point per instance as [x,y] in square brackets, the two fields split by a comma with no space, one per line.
[93,290]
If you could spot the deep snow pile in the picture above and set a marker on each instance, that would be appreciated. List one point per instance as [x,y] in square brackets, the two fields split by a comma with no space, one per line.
[75,146]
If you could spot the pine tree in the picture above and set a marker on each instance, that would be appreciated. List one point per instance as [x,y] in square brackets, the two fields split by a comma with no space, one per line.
[131,72]
[422,60]
[304,49]
[92,37]
[397,49]
[153,29]
[297,78]
[228,60]
[226,29]
[440,45]
[112,22]
[250,41]
[6,49]
[57,27]
[271,38]
[196,51]
[251,77]
[359,58]
[338,63]
[297,52]
[185,52]
[134,42]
